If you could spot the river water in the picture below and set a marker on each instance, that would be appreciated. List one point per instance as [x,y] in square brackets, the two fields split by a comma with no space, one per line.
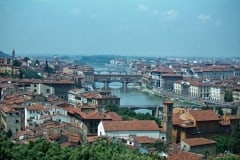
[131,95]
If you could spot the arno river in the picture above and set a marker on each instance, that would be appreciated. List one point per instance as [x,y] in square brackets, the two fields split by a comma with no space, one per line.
[132,95]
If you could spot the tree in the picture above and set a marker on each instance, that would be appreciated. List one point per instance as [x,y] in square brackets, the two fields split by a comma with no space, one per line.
[220,111]
[222,143]
[28,73]
[112,108]
[46,68]
[36,63]
[5,147]
[234,141]
[26,59]
[16,63]
[9,133]
[228,96]
[42,149]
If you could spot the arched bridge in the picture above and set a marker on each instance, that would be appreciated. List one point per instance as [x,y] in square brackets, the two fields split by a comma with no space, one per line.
[154,108]
[125,79]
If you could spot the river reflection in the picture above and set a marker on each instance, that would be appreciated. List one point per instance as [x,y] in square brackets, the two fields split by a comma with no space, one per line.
[131,95]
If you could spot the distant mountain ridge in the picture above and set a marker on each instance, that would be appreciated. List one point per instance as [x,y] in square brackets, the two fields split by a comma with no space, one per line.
[4,55]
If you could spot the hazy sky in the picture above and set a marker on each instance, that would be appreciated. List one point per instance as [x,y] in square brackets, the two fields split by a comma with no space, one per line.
[121,27]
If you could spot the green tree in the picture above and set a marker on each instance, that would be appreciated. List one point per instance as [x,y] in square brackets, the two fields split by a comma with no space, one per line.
[25,59]
[44,150]
[220,111]
[16,63]
[5,147]
[234,141]
[46,68]
[228,96]
[29,74]
[112,108]
[36,63]
[9,133]
[230,157]
[222,143]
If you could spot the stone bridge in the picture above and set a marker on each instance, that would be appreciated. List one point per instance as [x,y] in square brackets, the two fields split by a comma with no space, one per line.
[124,79]
[154,108]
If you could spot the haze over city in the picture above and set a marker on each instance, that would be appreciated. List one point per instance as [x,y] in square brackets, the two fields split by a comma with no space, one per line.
[138,28]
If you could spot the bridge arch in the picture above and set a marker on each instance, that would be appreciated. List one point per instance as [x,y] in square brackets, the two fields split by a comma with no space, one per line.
[124,79]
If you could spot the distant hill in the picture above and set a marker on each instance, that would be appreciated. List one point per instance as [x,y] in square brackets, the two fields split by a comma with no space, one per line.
[4,55]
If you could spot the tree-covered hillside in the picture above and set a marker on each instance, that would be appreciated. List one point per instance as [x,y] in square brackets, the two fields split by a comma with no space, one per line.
[44,150]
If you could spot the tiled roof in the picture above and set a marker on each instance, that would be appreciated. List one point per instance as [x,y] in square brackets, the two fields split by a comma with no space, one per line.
[94,114]
[6,109]
[103,115]
[144,139]
[91,139]
[36,107]
[198,141]
[185,156]
[163,70]
[204,115]
[134,125]
[181,122]
[216,68]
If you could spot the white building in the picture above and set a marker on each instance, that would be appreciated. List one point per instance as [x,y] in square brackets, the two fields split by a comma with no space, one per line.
[125,129]
[216,93]
[73,96]
[38,113]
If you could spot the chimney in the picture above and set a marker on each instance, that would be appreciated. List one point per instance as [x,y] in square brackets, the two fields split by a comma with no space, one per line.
[167,120]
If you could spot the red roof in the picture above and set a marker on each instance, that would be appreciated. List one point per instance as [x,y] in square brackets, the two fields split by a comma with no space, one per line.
[135,125]
[36,107]
[185,156]
[144,139]
[6,109]
[183,123]
[103,115]
[198,141]
[204,115]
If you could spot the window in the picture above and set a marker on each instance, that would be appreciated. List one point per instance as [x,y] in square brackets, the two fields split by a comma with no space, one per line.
[17,121]
[48,90]
[35,85]
[35,90]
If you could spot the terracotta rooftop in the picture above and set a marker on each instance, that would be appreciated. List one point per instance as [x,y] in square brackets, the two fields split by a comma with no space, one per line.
[91,139]
[103,115]
[198,141]
[135,125]
[6,109]
[185,156]
[163,70]
[94,114]
[36,107]
[204,115]
[183,123]
[144,139]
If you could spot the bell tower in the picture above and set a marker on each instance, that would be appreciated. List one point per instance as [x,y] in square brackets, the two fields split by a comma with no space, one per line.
[13,54]
[167,120]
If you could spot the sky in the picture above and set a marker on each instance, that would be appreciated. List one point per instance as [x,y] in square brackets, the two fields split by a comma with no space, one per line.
[158,28]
